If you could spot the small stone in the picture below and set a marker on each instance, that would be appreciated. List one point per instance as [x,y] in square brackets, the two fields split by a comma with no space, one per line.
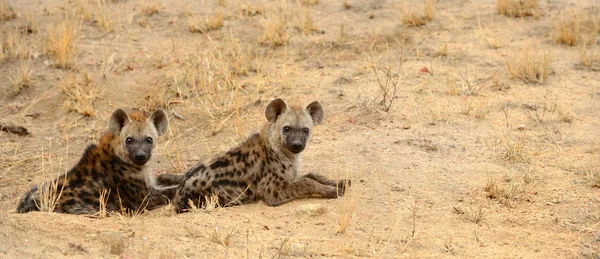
[521,127]
[406,125]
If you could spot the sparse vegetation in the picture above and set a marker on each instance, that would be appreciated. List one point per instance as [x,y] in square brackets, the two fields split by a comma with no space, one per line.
[509,192]
[529,65]
[61,42]
[414,18]
[273,32]
[515,148]
[347,209]
[150,8]
[8,12]
[20,77]
[475,215]
[81,94]
[590,56]
[103,17]
[517,8]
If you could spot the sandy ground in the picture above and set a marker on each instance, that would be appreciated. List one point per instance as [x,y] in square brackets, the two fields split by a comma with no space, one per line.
[467,162]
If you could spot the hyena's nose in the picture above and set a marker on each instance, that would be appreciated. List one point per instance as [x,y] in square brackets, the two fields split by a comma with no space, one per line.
[296,145]
[140,157]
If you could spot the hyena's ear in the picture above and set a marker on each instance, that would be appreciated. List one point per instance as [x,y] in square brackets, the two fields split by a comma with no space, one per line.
[316,112]
[274,109]
[160,121]
[117,121]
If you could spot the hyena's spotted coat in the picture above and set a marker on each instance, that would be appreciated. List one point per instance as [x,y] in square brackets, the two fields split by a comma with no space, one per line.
[263,167]
[117,164]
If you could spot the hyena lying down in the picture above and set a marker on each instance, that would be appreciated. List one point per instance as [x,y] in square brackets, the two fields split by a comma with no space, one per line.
[116,164]
[263,167]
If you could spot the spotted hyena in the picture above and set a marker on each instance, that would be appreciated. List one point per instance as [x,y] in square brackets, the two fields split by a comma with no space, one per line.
[116,164]
[263,167]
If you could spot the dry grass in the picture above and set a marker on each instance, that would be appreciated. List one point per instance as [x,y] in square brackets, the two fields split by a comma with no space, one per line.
[81,10]
[273,32]
[529,65]
[150,8]
[387,79]
[568,27]
[307,24]
[222,238]
[15,45]
[49,192]
[590,56]
[102,212]
[60,43]
[515,148]
[250,10]
[29,24]
[475,215]
[576,26]
[347,209]
[102,17]
[479,107]
[7,12]
[214,22]
[309,2]
[518,8]
[415,18]
[20,76]
[211,23]
[509,192]
[80,94]
[274,23]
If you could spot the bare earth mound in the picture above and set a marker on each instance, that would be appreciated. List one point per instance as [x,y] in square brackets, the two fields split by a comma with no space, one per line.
[468,128]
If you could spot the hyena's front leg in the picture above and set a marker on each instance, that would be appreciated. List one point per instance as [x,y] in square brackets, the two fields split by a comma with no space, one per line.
[300,188]
[161,196]
[342,185]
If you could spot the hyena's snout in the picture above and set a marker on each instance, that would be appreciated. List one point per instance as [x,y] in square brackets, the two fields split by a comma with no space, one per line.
[296,142]
[140,154]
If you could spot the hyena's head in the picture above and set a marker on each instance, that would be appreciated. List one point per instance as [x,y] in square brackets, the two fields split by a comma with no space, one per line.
[137,134]
[291,126]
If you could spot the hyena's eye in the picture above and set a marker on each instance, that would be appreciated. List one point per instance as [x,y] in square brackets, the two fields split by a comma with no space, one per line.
[149,140]
[128,140]
[286,129]
[305,130]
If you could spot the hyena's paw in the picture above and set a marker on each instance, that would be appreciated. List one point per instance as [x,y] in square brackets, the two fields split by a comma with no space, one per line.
[342,186]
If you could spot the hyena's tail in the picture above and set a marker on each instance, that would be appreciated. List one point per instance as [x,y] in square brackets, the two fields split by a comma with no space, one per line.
[28,203]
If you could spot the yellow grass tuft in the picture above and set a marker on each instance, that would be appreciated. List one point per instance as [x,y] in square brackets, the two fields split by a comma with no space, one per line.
[102,212]
[60,43]
[81,94]
[568,27]
[150,8]
[517,8]
[103,18]
[590,56]
[14,45]
[273,32]
[250,10]
[515,148]
[50,192]
[529,65]
[347,209]
[20,77]
[214,22]
[414,18]
[7,12]
[509,191]
[309,2]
